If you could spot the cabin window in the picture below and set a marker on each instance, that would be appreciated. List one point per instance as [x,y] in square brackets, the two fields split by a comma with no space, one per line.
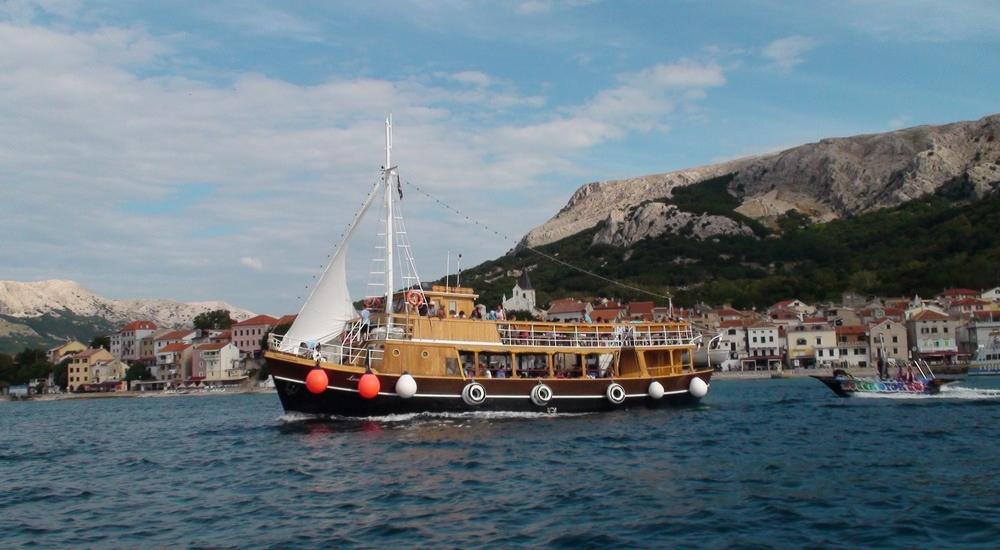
[567,365]
[468,360]
[450,366]
[497,365]
[532,365]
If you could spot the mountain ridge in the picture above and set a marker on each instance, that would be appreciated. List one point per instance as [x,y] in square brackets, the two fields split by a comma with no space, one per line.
[41,313]
[830,179]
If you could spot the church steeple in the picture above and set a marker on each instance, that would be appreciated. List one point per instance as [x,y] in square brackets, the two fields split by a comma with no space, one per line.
[524,281]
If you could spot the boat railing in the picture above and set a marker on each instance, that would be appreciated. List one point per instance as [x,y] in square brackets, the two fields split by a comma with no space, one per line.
[595,336]
[348,352]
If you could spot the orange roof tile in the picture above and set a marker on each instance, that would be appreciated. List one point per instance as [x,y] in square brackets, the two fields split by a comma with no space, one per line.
[139,325]
[566,305]
[175,334]
[177,346]
[929,315]
[851,329]
[639,308]
[286,320]
[257,321]
[958,292]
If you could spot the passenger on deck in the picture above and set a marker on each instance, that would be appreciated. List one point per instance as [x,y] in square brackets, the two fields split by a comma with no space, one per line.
[461,314]
[422,309]
[491,315]
[476,315]
[501,314]
[432,310]
[365,320]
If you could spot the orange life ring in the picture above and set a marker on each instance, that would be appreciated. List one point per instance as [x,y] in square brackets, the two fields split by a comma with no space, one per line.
[414,298]
[373,302]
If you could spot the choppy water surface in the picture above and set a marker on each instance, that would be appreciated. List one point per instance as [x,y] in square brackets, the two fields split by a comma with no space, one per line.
[759,463]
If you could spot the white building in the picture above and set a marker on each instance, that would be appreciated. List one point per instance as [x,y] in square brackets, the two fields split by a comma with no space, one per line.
[932,334]
[763,346]
[125,342]
[216,363]
[522,297]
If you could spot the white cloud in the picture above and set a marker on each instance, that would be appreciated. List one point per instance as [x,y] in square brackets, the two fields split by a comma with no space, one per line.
[472,78]
[93,138]
[252,262]
[900,121]
[785,53]
[535,7]
[922,20]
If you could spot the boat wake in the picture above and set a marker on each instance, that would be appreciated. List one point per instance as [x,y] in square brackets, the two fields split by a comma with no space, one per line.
[293,417]
[947,392]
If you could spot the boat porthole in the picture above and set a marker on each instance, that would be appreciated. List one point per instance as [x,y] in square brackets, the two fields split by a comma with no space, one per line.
[615,393]
[541,394]
[425,354]
[395,353]
[473,394]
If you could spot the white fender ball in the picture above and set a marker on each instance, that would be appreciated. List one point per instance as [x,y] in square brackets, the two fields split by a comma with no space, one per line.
[655,389]
[698,387]
[406,386]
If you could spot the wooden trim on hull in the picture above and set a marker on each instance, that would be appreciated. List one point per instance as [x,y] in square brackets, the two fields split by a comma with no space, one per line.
[444,394]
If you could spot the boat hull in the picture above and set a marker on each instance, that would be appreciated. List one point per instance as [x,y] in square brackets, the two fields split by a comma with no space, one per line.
[444,394]
[847,386]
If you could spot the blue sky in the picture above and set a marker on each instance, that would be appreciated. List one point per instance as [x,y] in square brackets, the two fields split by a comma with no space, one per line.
[195,150]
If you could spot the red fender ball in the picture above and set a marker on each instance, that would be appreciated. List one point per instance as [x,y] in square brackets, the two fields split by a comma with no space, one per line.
[368,386]
[316,381]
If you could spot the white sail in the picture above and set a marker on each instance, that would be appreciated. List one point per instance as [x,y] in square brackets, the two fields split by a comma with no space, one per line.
[329,307]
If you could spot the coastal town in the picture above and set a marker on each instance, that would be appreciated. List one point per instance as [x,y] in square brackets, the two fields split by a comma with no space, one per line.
[854,333]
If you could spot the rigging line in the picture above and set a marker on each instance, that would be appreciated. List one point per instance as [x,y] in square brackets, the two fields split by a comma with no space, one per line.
[539,252]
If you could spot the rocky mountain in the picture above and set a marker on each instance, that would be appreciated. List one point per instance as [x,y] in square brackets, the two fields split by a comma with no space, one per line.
[831,179]
[41,312]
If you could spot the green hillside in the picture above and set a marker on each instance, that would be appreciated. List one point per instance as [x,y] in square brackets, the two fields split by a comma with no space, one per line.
[52,329]
[920,247]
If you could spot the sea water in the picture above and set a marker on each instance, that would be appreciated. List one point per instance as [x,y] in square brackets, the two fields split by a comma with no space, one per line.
[770,463]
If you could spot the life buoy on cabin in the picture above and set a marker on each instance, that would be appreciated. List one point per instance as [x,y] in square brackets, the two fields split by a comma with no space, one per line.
[414,298]
[541,394]
[373,302]
[615,393]
[473,394]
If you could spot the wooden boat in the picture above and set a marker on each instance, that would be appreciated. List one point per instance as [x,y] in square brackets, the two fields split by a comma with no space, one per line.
[394,358]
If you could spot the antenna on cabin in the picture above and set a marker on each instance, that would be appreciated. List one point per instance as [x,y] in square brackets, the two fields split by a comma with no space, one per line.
[458,281]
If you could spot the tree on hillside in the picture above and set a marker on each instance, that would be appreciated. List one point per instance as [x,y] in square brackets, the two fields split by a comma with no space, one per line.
[137,372]
[60,376]
[30,356]
[101,342]
[7,368]
[218,319]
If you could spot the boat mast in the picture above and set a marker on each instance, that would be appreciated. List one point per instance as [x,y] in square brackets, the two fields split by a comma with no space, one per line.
[387,176]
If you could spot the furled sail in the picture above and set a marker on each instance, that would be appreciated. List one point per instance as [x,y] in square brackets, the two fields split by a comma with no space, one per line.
[329,308]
